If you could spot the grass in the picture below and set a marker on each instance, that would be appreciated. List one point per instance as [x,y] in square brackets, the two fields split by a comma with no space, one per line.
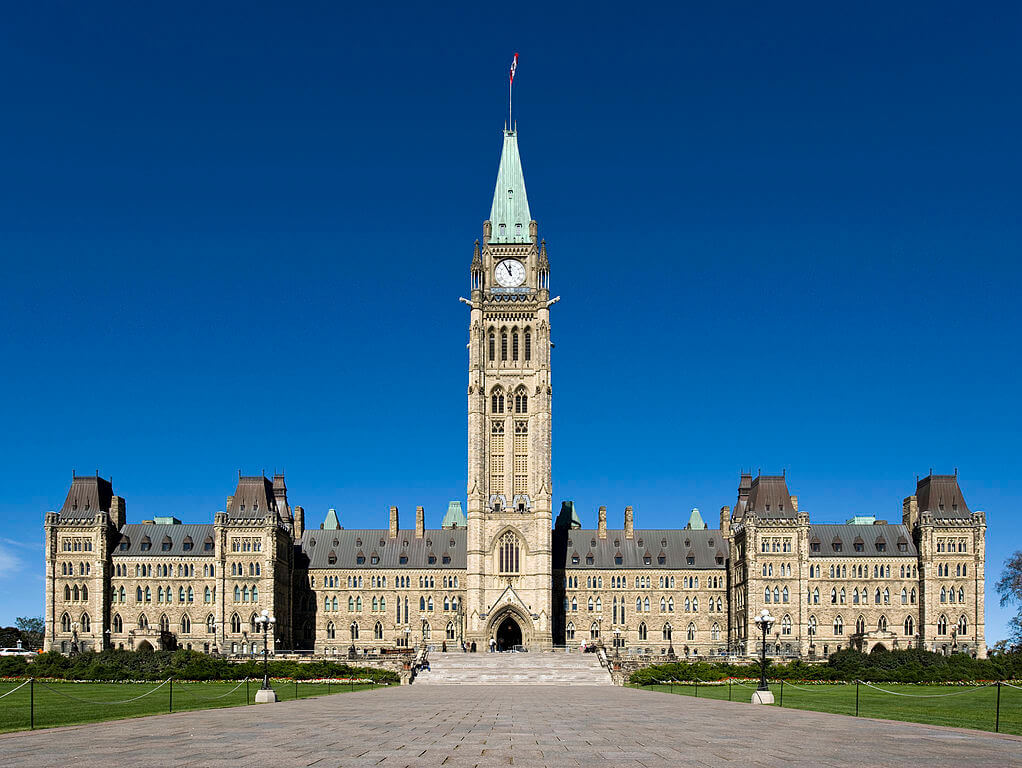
[969,708]
[61,703]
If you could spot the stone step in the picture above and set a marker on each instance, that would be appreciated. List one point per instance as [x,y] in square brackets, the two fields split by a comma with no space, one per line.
[513,669]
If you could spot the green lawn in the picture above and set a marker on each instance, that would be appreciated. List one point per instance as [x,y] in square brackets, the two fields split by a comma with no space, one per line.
[969,708]
[71,703]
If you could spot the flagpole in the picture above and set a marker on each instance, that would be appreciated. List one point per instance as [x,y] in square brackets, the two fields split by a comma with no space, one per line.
[510,82]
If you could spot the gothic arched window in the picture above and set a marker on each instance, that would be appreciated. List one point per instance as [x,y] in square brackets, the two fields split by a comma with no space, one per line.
[528,345]
[839,626]
[493,346]
[211,624]
[503,344]
[909,626]
[331,630]
[235,623]
[65,623]
[860,625]
[642,631]
[118,623]
[497,401]
[378,631]
[508,551]
[942,625]
[521,401]
[514,344]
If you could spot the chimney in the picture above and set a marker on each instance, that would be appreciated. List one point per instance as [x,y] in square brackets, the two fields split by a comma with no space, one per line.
[725,520]
[910,511]
[629,523]
[299,522]
[602,531]
[230,500]
[420,523]
[393,522]
[118,511]
[794,503]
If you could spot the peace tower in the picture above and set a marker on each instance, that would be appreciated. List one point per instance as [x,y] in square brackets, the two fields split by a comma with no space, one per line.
[509,398]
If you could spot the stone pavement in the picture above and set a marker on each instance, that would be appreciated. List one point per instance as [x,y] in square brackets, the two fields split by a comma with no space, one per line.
[460,726]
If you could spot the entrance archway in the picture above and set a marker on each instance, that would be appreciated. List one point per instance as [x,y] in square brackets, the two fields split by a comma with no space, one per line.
[145,645]
[509,634]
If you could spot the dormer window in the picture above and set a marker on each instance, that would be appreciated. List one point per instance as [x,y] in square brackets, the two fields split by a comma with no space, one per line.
[858,547]
[374,559]
[690,560]
[661,560]
[814,546]
[647,560]
[618,560]
[403,560]
[617,542]
[360,559]
[574,559]
[452,543]
[431,559]
[902,547]
[590,560]
[446,559]
[358,542]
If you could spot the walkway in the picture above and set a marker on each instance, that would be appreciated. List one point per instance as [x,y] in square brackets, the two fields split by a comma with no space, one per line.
[461,726]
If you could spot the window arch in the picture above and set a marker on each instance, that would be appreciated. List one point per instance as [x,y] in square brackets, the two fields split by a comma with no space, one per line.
[521,401]
[497,400]
[594,631]
[691,634]
[642,631]
[839,625]
[211,624]
[528,344]
[378,631]
[449,632]
[492,345]
[963,625]
[164,623]
[143,621]
[118,623]
[235,623]
[65,623]
[353,629]
[503,344]
[715,632]
[67,593]
[514,344]
[910,626]
[508,553]
[786,625]
[331,630]
[942,625]
[882,624]
[186,625]
[569,631]
[666,631]
[860,625]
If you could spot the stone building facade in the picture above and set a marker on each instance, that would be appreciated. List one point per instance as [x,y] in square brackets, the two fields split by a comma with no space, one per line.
[506,569]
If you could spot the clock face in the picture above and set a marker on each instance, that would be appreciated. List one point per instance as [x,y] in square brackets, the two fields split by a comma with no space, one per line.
[510,273]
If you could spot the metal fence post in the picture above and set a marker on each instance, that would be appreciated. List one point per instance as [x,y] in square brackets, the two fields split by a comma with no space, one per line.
[31,703]
[246,690]
[780,701]
[729,689]
[997,720]
[856,698]
[170,705]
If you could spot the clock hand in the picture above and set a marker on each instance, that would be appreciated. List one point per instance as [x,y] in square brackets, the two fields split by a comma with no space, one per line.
[508,266]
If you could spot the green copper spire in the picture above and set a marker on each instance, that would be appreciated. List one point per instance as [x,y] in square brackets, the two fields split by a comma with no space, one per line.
[510,212]
[695,522]
[331,523]
[454,518]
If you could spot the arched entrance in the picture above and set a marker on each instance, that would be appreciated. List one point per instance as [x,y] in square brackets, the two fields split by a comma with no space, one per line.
[145,645]
[509,634]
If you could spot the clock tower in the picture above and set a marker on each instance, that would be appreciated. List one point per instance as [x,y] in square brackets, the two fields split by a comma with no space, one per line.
[509,395]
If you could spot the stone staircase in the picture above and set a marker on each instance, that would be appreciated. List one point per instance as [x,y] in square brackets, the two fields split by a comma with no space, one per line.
[535,668]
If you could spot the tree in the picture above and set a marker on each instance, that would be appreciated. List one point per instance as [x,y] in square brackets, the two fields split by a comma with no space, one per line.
[32,629]
[1009,587]
[9,637]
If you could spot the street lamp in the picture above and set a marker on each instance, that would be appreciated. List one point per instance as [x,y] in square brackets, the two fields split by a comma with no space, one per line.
[351,650]
[265,695]
[617,642]
[762,695]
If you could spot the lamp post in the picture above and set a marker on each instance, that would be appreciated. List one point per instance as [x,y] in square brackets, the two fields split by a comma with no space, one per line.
[762,695]
[617,642]
[265,695]
[408,632]
[351,649]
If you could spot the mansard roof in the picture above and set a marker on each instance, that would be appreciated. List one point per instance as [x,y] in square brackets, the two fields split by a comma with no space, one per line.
[509,214]
[704,547]
[253,498]
[869,537]
[135,534]
[87,496]
[313,551]
[768,498]
[941,496]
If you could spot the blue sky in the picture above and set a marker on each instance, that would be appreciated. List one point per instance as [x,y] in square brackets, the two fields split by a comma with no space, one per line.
[786,238]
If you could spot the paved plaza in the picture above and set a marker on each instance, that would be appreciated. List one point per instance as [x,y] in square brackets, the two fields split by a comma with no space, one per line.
[460,726]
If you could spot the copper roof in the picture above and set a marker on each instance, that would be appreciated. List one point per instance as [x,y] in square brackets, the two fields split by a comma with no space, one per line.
[874,540]
[767,497]
[87,496]
[253,498]
[941,496]
[676,546]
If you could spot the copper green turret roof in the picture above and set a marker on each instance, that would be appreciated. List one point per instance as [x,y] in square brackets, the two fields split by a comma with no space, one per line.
[509,214]
[454,518]
[695,522]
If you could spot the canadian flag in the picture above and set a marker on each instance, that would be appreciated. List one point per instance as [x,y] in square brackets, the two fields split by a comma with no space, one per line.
[514,66]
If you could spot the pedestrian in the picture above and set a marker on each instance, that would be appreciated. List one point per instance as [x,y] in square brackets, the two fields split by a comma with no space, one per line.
[493,645]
